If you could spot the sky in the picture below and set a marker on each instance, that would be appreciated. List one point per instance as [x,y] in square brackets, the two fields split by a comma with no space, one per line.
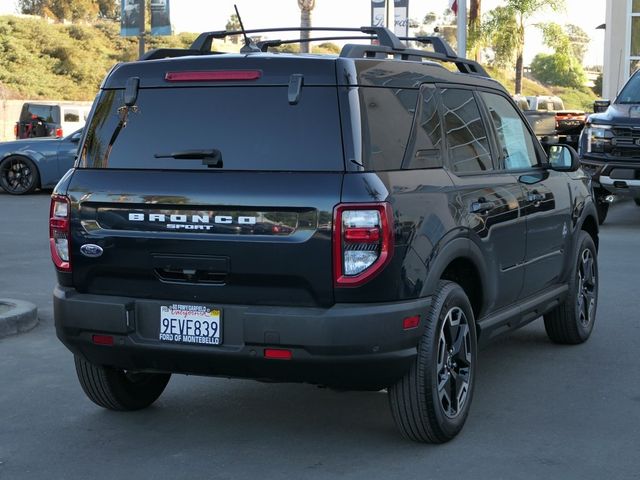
[203,15]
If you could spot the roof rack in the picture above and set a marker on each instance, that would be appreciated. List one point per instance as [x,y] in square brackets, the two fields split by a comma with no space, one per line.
[389,45]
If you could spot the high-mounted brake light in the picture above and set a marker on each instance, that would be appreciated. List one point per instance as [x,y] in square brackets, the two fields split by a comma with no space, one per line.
[213,76]
[60,232]
[362,242]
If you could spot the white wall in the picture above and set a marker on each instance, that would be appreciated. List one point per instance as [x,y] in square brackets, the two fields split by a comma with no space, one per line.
[616,46]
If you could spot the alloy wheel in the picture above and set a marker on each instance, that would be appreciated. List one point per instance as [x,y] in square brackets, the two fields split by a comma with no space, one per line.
[16,176]
[454,363]
[587,287]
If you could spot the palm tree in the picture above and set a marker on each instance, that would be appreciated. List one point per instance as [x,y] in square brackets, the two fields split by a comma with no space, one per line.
[523,10]
[475,14]
[305,21]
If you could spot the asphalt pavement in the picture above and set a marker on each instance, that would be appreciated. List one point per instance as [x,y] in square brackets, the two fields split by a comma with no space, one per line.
[540,410]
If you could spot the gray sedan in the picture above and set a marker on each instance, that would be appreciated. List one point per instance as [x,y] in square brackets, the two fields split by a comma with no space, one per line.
[36,163]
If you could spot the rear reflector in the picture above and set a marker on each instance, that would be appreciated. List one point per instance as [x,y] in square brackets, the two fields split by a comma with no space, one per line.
[411,322]
[102,340]
[213,76]
[277,354]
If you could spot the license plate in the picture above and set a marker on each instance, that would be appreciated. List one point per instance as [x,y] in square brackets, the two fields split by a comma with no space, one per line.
[194,324]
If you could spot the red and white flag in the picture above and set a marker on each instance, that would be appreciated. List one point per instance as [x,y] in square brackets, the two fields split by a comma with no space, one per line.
[453,5]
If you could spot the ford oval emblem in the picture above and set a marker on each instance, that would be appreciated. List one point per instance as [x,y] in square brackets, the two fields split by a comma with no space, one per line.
[91,250]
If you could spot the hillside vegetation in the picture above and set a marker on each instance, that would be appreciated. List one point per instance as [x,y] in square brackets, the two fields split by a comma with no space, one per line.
[68,62]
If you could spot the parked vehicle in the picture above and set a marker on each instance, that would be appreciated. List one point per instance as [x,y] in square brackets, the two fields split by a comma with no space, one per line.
[50,120]
[360,221]
[610,147]
[37,163]
[568,123]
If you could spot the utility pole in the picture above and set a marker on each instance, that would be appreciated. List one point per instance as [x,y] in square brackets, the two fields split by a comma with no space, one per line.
[462,28]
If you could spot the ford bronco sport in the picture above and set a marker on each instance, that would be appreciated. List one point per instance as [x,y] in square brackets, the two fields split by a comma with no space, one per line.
[357,221]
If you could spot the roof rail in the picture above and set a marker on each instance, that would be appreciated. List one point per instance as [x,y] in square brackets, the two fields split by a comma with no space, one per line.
[464,65]
[385,36]
[389,44]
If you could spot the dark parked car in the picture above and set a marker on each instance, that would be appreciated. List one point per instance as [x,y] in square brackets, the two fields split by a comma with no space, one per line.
[357,221]
[49,119]
[610,147]
[37,163]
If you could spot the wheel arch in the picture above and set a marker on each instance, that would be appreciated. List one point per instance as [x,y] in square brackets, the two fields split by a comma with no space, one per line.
[590,225]
[461,261]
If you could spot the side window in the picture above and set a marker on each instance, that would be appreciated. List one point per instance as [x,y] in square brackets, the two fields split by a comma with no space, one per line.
[514,138]
[71,116]
[467,142]
[387,118]
[426,146]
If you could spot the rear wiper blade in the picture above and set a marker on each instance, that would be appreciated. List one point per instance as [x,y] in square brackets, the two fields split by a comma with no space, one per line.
[210,158]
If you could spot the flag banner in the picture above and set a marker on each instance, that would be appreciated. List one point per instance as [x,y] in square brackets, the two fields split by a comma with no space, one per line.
[378,13]
[453,5]
[160,17]
[131,18]
[401,20]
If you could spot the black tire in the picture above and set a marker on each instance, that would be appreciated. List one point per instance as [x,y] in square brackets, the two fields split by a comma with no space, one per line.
[602,208]
[115,389]
[18,175]
[637,200]
[572,321]
[420,401]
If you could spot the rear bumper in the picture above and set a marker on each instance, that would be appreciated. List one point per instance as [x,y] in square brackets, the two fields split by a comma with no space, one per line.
[347,345]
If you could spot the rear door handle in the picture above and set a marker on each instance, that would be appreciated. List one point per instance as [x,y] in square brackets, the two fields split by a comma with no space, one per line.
[481,206]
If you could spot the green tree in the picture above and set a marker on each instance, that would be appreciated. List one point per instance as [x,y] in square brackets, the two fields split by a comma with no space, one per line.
[519,12]
[109,9]
[562,68]
[498,34]
[558,69]
[233,25]
[306,7]
[61,9]
[579,41]
[475,30]
[597,85]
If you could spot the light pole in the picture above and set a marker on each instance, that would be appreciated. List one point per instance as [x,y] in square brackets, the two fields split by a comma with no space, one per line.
[462,28]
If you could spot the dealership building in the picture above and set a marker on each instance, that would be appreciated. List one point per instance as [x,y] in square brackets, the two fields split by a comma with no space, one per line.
[622,45]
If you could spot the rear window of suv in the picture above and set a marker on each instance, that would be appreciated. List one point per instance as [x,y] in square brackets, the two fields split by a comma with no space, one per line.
[254,128]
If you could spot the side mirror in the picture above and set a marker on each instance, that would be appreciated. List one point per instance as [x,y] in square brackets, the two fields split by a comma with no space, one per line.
[600,106]
[75,138]
[563,158]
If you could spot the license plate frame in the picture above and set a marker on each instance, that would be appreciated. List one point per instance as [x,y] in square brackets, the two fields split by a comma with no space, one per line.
[189,324]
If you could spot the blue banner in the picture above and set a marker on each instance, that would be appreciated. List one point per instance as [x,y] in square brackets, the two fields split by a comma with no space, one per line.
[132,18]
[160,17]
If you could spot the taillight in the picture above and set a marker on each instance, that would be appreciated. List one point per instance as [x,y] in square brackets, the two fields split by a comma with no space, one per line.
[59,133]
[213,76]
[15,131]
[362,242]
[60,232]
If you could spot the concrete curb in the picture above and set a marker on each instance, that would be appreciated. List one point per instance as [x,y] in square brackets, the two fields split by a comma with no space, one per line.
[16,316]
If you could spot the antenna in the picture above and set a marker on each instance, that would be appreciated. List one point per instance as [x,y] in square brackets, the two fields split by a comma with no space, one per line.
[249,46]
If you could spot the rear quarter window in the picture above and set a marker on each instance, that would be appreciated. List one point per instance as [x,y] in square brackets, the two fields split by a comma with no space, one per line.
[387,117]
